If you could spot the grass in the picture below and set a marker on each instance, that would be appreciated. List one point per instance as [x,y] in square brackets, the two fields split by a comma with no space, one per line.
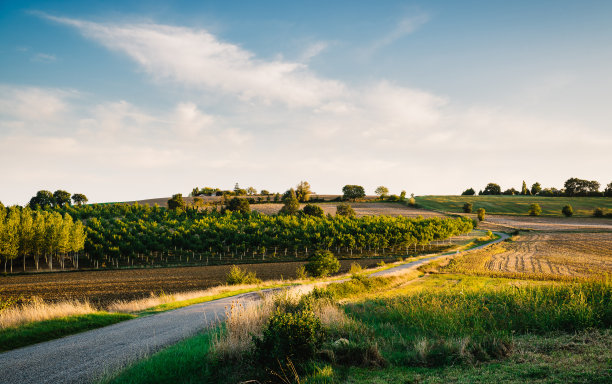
[36,332]
[515,205]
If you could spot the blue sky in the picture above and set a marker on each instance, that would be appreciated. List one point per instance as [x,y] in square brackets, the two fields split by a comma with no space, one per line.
[129,101]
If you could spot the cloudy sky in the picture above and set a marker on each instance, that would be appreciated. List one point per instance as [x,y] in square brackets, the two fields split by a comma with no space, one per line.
[124,102]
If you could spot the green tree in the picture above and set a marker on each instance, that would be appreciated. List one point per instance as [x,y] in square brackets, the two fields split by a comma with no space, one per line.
[291,204]
[303,191]
[481,214]
[345,210]
[353,192]
[239,205]
[322,263]
[468,192]
[251,191]
[382,192]
[467,207]
[524,190]
[535,210]
[567,210]
[402,196]
[61,197]
[492,189]
[264,192]
[43,200]
[177,202]
[536,188]
[608,190]
[313,210]
[80,199]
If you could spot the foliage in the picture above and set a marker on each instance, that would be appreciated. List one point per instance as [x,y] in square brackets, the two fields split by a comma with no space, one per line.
[237,275]
[42,200]
[579,187]
[79,199]
[608,190]
[481,214]
[510,192]
[176,202]
[402,196]
[467,207]
[322,263]
[237,204]
[468,192]
[291,204]
[313,210]
[492,189]
[61,198]
[345,210]
[567,210]
[300,273]
[598,212]
[353,192]
[535,209]
[536,188]
[524,190]
[303,192]
[382,191]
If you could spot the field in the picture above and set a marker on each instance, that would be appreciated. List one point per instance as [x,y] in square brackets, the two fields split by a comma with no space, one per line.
[515,205]
[361,209]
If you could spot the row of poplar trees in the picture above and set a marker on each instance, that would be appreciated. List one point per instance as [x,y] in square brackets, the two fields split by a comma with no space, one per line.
[39,234]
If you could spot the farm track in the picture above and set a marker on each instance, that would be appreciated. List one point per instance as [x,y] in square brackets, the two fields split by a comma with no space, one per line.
[92,355]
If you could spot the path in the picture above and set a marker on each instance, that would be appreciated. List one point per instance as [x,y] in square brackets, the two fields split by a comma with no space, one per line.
[89,356]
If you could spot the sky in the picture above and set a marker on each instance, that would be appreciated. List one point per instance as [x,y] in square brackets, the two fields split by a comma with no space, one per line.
[142,99]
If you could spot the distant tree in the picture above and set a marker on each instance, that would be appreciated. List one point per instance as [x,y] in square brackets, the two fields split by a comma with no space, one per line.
[579,187]
[291,204]
[467,207]
[567,210]
[402,196]
[251,191]
[176,202]
[382,191]
[322,263]
[61,197]
[353,192]
[510,192]
[345,210]
[313,210]
[550,192]
[524,190]
[481,214]
[492,189]
[468,192]
[79,199]
[239,205]
[277,197]
[264,192]
[608,190]
[43,199]
[412,200]
[480,193]
[598,212]
[303,191]
[536,188]
[195,192]
[535,210]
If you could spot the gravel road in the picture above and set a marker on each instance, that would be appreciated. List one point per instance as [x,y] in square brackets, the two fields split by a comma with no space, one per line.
[89,356]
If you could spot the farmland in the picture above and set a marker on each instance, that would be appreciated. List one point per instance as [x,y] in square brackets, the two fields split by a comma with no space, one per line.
[515,205]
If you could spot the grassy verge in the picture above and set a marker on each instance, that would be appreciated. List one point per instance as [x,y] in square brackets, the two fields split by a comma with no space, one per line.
[36,332]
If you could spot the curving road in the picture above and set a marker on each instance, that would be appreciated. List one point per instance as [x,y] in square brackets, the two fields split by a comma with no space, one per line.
[89,356]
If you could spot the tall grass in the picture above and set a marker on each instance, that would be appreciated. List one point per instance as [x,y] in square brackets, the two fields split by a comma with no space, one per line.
[38,310]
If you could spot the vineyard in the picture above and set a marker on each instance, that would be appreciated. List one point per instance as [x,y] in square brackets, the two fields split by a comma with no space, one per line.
[121,235]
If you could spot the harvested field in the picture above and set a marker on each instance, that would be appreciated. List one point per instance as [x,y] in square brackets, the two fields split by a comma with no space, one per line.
[543,254]
[361,209]
[587,224]
[104,286]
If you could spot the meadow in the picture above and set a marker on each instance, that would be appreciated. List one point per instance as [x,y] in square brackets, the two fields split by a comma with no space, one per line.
[515,205]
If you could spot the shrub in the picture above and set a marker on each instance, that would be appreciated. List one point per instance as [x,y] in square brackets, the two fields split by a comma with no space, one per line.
[468,192]
[237,275]
[239,205]
[313,210]
[355,269]
[393,198]
[295,336]
[412,201]
[535,210]
[567,210]
[481,214]
[345,210]
[598,212]
[467,207]
[300,272]
[322,263]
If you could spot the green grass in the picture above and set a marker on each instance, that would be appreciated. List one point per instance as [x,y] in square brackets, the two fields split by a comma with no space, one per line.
[515,205]
[36,332]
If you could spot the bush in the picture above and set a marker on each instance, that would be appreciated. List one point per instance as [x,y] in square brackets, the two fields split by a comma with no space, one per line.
[467,207]
[598,212]
[355,269]
[295,336]
[567,210]
[322,263]
[313,210]
[345,210]
[469,192]
[237,275]
[300,272]
[239,205]
[535,210]
[481,214]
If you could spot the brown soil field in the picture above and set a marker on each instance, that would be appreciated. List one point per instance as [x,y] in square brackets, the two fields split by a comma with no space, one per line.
[543,254]
[104,286]
[361,209]
[587,224]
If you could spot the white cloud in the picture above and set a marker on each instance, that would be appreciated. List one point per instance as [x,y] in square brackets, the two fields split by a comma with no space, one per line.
[313,50]
[44,58]
[404,27]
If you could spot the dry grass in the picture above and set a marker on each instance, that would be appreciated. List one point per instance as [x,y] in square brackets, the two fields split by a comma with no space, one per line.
[38,310]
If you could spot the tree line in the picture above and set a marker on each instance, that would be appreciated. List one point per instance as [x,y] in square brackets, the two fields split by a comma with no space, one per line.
[572,187]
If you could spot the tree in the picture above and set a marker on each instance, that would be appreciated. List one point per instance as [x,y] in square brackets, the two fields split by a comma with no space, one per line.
[597,212]
[579,187]
[382,192]
[313,210]
[61,198]
[481,214]
[251,191]
[492,189]
[608,190]
[303,191]
[239,205]
[264,192]
[43,200]
[176,202]
[567,210]
[291,204]
[467,207]
[510,192]
[353,192]
[535,210]
[536,188]
[322,263]
[524,190]
[468,192]
[239,191]
[345,210]
[79,199]
[402,196]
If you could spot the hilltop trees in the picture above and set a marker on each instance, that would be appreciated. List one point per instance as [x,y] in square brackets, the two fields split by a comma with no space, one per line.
[492,189]
[303,191]
[79,199]
[579,187]
[61,198]
[353,192]
[42,200]
[291,204]
[608,190]
[524,190]
[468,192]
[176,202]
[536,188]
[382,191]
